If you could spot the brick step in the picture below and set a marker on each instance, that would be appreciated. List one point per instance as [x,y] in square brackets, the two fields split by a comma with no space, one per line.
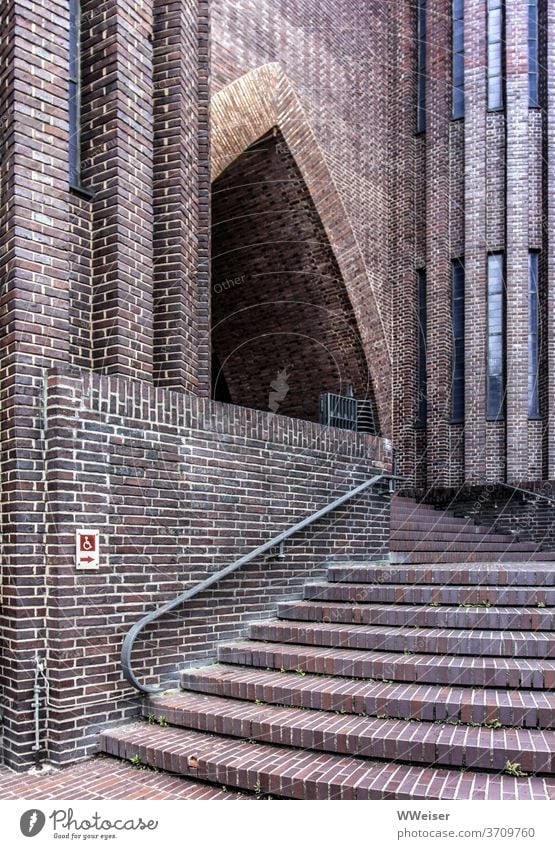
[430,544]
[397,701]
[464,526]
[479,555]
[441,669]
[426,512]
[518,574]
[300,774]
[398,615]
[423,594]
[442,534]
[399,639]
[427,743]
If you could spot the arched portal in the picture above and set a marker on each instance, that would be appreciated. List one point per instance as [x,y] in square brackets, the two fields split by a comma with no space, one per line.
[277,215]
[283,330]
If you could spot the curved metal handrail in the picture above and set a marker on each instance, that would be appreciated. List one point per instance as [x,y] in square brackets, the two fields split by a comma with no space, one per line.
[136,629]
[536,495]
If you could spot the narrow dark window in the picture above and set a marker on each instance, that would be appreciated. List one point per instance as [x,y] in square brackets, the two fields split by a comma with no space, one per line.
[496,342]
[533,336]
[458,59]
[74,93]
[421,69]
[495,54]
[533,99]
[422,406]
[457,306]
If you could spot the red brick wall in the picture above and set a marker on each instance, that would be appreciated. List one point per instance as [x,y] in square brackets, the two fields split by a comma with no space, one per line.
[178,487]
[483,191]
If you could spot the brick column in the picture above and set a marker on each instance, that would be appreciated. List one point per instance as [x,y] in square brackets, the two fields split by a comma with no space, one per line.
[34,325]
[475,239]
[516,53]
[549,201]
[117,137]
[403,247]
[438,266]
[181,225]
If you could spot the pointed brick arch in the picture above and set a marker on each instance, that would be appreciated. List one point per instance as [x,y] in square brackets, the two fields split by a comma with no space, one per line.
[244,111]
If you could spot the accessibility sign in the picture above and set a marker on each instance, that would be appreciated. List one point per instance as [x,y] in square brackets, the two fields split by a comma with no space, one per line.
[87,554]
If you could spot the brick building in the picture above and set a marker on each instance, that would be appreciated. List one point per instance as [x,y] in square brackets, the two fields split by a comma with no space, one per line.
[368,205]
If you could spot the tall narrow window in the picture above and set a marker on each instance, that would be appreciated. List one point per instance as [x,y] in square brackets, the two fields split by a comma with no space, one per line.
[421,70]
[495,54]
[422,406]
[458,59]
[74,93]
[457,305]
[533,336]
[496,342]
[533,99]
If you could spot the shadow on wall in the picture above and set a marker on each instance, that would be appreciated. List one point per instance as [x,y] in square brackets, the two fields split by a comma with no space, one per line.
[283,329]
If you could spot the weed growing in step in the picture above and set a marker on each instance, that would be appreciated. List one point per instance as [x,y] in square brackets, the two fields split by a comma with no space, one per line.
[476,604]
[514,769]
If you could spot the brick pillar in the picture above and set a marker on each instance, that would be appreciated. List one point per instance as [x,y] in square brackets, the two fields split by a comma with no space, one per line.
[549,201]
[438,266]
[475,239]
[402,228]
[181,226]
[516,53]
[34,326]
[117,140]
[204,347]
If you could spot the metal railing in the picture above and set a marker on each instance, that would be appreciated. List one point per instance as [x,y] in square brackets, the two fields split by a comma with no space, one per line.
[531,495]
[274,542]
[346,412]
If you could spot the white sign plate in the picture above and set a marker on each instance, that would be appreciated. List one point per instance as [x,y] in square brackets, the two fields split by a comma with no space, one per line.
[87,554]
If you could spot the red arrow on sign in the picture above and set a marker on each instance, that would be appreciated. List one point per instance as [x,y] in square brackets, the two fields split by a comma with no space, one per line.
[86,559]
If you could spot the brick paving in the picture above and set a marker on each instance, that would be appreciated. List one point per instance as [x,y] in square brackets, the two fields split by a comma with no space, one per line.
[105,778]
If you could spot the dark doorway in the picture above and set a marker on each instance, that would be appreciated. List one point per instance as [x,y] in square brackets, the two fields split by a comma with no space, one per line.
[283,329]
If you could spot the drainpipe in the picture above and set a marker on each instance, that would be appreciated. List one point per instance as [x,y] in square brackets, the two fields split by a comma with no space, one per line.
[40,669]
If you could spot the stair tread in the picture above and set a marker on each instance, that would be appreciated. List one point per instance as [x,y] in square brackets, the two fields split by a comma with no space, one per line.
[303,774]
[490,573]
[525,663]
[327,605]
[403,739]
[439,591]
[472,566]
[399,638]
[481,632]
[428,701]
[533,619]
[491,611]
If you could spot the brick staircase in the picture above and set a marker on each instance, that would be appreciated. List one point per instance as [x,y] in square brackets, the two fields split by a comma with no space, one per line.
[406,681]
[420,533]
